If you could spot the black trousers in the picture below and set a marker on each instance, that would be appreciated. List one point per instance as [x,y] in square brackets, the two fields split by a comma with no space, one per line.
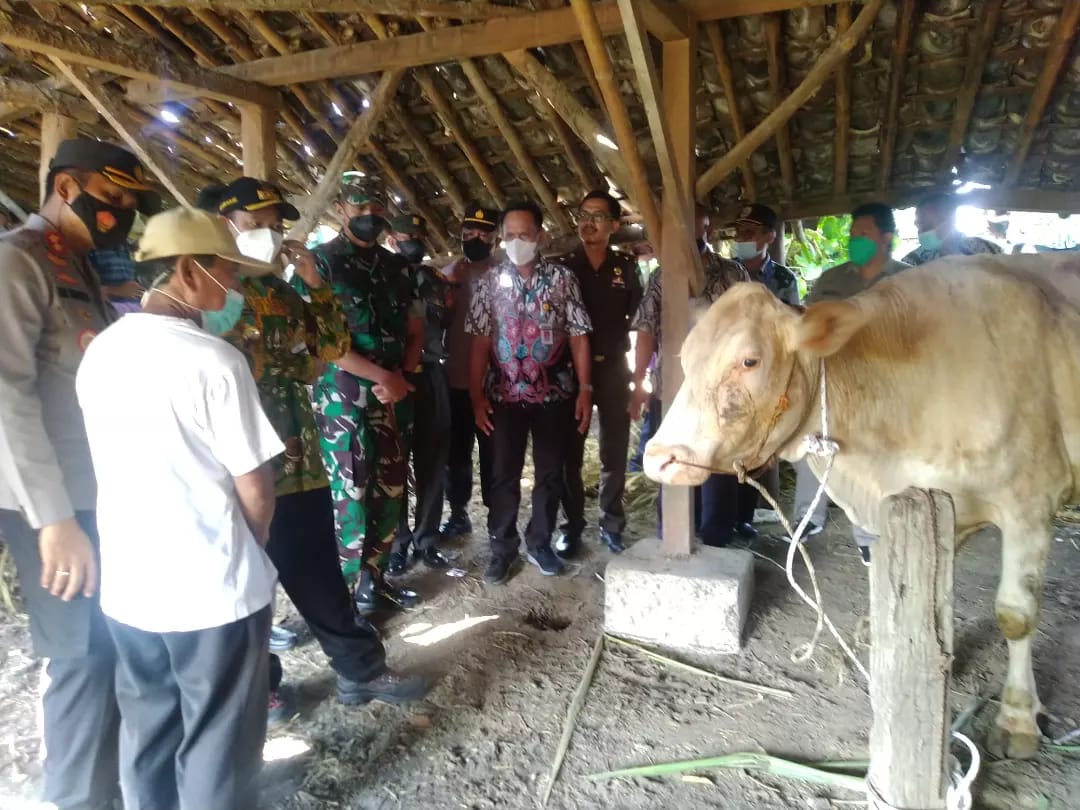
[303,547]
[459,468]
[81,718]
[550,427]
[194,714]
[611,397]
[430,451]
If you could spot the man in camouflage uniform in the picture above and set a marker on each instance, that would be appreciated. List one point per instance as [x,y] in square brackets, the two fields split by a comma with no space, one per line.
[428,443]
[355,398]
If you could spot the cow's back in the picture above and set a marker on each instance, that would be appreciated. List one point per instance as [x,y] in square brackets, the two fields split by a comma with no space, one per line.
[965,379]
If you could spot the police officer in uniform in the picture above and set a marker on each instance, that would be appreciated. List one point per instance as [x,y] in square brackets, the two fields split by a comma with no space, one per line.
[611,290]
[429,442]
[478,237]
[51,307]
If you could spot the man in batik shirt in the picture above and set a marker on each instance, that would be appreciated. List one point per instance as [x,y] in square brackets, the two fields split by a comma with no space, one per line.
[529,374]
[355,398]
[935,217]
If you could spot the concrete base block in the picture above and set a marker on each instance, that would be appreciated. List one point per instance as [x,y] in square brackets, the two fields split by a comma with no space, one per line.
[697,603]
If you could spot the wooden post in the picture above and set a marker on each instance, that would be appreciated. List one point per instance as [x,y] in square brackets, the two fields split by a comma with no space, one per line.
[54,129]
[911,623]
[679,72]
[259,141]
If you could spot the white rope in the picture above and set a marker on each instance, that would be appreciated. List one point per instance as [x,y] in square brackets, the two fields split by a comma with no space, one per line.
[958,792]
[819,445]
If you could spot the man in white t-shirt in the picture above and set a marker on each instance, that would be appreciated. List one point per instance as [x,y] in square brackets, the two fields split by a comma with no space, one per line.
[184,509]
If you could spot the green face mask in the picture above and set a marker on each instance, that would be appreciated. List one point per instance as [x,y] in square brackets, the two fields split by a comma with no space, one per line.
[861,249]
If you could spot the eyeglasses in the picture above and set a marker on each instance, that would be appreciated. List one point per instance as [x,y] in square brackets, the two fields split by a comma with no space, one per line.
[595,217]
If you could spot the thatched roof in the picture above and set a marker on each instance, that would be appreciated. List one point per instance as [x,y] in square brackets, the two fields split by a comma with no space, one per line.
[980,90]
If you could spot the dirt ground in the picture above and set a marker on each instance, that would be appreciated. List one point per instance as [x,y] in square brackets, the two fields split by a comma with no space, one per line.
[506,660]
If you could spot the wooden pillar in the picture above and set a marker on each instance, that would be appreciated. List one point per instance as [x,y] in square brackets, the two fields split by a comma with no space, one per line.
[54,129]
[258,140]
[778,249]
[911,622]
[679,70]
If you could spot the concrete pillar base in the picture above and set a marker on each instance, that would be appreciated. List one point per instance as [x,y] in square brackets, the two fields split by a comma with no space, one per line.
[696,604]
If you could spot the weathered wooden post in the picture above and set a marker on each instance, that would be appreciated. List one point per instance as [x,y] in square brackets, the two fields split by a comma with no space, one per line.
[911,625]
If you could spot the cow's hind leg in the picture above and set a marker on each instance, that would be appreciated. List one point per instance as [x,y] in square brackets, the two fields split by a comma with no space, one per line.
[1023,563]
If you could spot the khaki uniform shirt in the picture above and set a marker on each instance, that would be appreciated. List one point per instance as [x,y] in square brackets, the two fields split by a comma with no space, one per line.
[51,307]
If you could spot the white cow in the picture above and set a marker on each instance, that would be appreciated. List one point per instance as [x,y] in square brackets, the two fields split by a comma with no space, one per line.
[962,375]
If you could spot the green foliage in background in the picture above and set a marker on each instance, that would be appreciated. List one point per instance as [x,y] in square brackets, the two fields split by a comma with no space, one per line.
[819,248]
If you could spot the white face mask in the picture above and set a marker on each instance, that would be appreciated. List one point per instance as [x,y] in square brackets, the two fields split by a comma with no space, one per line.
[262,244]
[747,250]
[521,252]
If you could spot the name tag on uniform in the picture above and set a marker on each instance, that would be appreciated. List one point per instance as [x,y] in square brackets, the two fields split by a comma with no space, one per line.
[547,336]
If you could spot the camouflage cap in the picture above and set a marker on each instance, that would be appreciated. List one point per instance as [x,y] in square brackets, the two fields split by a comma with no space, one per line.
[411,224]
[358,188]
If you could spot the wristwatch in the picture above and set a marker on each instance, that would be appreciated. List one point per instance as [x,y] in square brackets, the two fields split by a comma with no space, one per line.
[586,387]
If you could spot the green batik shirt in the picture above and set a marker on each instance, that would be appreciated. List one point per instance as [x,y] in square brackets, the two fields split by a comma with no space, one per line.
[432,290]
[283,338]
[376,294]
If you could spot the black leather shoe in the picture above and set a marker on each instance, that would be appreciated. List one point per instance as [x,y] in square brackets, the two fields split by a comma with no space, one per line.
[432,558]
[399,563]
[457,524]
[390,687]
[567,545]
[498,570]
[384,596]
[746,530]
[613,540]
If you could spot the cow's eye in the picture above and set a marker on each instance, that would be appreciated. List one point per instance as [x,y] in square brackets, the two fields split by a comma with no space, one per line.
[750,362]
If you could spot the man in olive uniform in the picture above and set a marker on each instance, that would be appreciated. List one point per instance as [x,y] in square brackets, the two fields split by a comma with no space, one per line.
[429,441]
[51,307]
[478,237]
[356,396]
[611,290]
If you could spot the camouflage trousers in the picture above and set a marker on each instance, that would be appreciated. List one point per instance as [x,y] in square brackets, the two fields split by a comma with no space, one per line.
[365,461]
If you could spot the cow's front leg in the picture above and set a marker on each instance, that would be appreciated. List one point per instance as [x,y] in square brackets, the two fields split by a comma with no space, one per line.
[1023,564]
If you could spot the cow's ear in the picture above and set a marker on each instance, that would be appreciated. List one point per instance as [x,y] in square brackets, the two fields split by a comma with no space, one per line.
[825,328]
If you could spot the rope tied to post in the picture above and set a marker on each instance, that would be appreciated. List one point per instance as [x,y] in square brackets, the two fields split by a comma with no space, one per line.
[957,794]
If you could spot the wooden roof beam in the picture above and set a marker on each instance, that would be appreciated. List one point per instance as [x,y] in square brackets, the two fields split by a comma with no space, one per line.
[135,63]
[487,38]
[727,80]
[360,132]
[842,136]
[829,60]
[565,137]
[450,9]
[416,203]
[432,160]
[901,44]
[666,20]
[639,189]
[452,122]
[577,117]
[969,90]
[128,133]
[777,80]
[1053,63]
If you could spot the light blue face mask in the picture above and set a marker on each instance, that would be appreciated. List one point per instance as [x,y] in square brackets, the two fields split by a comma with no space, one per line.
[221,321]
[930,239]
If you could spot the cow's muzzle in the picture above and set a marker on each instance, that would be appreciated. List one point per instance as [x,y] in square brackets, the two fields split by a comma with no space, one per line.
[675,464]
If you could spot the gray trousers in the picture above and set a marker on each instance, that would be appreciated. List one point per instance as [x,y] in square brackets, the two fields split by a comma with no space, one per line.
[81,720]
[806,485]
[193,707]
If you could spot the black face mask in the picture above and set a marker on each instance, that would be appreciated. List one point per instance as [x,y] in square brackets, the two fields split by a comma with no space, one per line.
[367,227]
[476,249]
[701,245]
[109,226]
[412,249]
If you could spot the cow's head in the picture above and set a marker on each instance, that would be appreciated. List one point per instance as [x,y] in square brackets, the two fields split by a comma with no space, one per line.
[750,366]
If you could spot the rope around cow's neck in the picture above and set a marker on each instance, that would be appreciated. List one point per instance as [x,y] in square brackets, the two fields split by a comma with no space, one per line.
[959,790]
[819,445]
